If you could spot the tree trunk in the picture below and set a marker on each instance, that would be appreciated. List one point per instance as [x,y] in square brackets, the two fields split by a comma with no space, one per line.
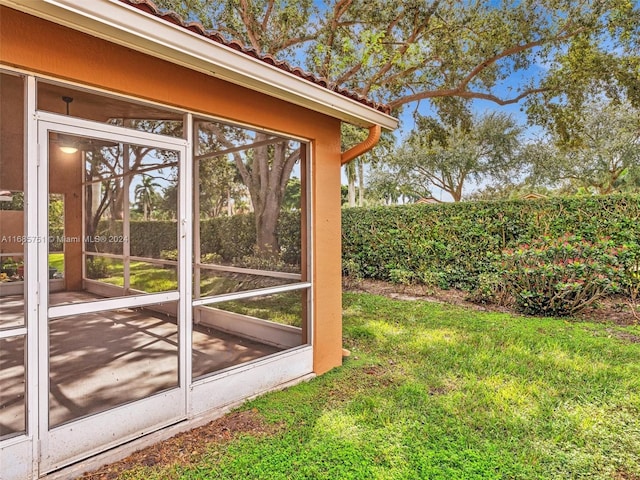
[352,192]
[350,171]
[361,182]
[266,177]
[266,223]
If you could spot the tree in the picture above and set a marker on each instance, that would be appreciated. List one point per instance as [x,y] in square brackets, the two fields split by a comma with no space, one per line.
[448,156]
[598,152]
[219,184]
[264,162]
[401,52]
[266,172]
[355,170]
[146,196]
[292,195]
[388,189]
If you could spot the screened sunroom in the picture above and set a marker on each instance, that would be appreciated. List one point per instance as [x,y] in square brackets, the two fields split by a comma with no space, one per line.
[169,230]
[120,262]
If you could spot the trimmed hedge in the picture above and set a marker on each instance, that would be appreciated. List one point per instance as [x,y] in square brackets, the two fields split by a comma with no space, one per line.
[451,245]
[230,237]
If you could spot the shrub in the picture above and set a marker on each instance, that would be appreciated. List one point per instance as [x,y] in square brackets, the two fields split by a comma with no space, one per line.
[261,262]
[630,263]
[350,269]
[210,258]
[169,255]
[228,237]
[8,266]
[491,289]
[402,276]
[97,267]
[454,245]
[562,276]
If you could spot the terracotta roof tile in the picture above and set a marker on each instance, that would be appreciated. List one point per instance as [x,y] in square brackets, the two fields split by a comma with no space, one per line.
[149,7]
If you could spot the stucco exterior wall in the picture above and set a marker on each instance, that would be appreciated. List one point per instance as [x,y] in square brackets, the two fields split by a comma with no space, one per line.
[42,47]
[11,229]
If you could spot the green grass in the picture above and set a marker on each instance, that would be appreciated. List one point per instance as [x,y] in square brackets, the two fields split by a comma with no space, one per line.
[437,392]
[56,260]
[146,277]
[284,308]
[151,278]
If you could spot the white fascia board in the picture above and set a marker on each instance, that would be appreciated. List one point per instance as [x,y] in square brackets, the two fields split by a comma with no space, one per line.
[128,26]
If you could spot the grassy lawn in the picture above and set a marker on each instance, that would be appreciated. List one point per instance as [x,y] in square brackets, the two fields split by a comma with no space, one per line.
[56,260]
[146,277]
[151,278]
[284,308]
[439,392]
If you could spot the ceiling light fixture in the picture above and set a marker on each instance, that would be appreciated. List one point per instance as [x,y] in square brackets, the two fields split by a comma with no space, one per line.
[68,147]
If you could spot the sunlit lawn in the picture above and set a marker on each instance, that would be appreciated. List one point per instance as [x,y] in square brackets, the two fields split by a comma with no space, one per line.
[147,277]
[437,392]
[56,260]
[283,308]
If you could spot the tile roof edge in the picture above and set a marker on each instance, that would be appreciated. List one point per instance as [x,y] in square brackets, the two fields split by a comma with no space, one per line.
[149,7]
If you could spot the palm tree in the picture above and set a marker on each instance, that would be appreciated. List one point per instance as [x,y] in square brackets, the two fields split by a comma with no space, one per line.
[146,195]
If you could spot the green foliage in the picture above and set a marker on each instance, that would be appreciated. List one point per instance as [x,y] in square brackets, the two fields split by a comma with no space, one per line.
[260,262]
[148,239]
[447,156]
[404,51]
[436,392]
[227,237]
[630,264]
[599,151]
[9,266]
[169,255]
[98,267]
[402,276]
[16,203]
[211,258]
[452,245]
[561,276]
[491,289]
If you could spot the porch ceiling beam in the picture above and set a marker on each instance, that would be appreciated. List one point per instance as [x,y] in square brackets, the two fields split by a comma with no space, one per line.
[133,28]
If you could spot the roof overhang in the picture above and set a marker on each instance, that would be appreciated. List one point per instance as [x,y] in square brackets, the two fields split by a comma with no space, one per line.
[138,30]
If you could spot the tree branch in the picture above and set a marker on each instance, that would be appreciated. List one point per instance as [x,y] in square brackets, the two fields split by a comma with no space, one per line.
[455,92]
[249,23]
[404,46]
[338,10]
[265,20]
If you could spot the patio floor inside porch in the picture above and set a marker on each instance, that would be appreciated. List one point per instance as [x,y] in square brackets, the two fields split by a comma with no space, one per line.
[101,360]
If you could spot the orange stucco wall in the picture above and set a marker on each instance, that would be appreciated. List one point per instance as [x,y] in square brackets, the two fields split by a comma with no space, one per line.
[11,231]
[65,177]
[42,47]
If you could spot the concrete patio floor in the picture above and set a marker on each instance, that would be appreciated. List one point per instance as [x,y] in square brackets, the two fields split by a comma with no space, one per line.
[100,360]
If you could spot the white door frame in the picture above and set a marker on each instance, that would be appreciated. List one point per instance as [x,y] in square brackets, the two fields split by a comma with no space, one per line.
[73,441]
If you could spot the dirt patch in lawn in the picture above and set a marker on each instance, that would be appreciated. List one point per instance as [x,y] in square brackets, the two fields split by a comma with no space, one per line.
[187,447]
[622,475]
[624,336]
[618,310]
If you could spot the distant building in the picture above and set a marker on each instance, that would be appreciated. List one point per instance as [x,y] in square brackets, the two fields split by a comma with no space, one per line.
[533,196]
[428,200]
